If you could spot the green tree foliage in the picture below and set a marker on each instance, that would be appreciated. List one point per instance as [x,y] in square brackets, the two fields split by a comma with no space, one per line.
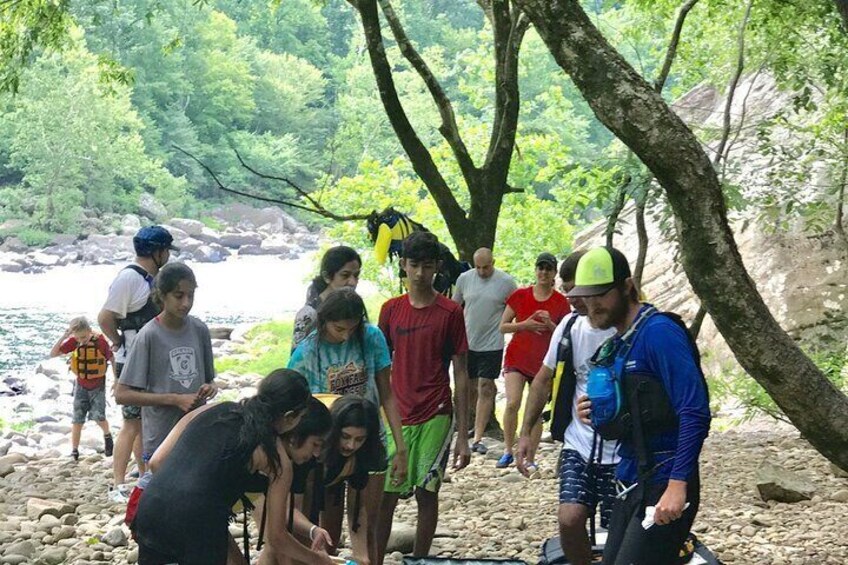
[76,143]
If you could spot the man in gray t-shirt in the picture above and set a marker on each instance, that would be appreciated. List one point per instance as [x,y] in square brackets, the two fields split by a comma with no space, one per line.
[173,368]
[483,292]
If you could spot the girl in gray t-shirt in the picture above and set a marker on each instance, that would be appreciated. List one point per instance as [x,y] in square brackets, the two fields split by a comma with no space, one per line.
[169,371]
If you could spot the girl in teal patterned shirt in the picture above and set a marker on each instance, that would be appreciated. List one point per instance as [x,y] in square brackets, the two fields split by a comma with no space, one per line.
[347,355]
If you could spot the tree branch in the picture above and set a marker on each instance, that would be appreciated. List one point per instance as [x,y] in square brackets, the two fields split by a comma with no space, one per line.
[420,158]
[448,127]
[734,82]
[509,27]
[620,200]
[318,209]
[671,53]
[840,195]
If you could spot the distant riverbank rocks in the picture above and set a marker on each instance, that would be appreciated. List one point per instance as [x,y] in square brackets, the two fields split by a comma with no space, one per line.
[238,230]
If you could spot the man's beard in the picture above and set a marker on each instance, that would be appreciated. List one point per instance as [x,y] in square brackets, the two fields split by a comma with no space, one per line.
[611,317]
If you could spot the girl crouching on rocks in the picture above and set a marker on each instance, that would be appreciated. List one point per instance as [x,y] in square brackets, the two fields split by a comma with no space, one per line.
[208,461]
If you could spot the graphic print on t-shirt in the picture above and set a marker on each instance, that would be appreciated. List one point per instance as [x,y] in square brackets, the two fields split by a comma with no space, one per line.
[347,379]
[183,365]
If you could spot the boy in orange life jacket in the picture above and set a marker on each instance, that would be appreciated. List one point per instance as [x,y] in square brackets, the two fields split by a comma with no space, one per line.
[90,357]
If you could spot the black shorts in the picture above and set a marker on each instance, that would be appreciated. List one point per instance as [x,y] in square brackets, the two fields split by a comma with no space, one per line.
[484,364]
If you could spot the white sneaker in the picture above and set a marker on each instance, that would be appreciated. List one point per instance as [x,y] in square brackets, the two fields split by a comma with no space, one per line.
[119,494]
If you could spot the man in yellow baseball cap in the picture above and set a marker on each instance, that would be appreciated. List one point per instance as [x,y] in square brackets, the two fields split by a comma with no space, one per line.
[651,368]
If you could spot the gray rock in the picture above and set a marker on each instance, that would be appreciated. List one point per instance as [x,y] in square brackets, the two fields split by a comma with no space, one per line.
[840,496]
[192,228]
[220,332]
[13,245]
[402,538]
[38,507]
[115,538]
[11,266]
[13,559]
[130,224]
[53,556]
[64,239]
[65,532]
[251,250]
[211,253]
[13,458]
[837,472]
[236,240]
[25,548]
[782,485]
[151,208]
[189,245]
[208,235]
[41,259]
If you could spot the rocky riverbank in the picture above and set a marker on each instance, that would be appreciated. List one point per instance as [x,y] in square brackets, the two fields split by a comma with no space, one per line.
[55,510]
[240,230]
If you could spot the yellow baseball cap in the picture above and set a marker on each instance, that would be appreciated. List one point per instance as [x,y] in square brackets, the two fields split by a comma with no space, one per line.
[598,271]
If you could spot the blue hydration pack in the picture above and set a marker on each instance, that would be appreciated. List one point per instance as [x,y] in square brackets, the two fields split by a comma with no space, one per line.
[627,404]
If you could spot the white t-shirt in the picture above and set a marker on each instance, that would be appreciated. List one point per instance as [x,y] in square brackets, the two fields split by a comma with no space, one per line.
[585,341]
[127,293]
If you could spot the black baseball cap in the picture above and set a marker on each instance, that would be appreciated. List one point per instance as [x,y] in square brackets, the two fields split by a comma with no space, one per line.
[546,259]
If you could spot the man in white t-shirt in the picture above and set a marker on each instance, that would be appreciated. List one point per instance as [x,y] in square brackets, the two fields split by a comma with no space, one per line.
[128,307]
[587,465]
[482,292]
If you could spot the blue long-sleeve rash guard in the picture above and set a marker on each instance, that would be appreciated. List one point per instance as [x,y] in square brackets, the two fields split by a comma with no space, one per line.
[662,349]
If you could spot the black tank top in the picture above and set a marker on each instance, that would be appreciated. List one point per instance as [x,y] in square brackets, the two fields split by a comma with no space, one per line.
[191,495]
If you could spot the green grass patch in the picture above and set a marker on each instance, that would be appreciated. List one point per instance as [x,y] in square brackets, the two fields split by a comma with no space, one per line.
[266,348]
[20,427]
[212,222]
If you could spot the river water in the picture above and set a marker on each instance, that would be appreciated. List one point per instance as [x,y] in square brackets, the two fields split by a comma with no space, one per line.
[35,308]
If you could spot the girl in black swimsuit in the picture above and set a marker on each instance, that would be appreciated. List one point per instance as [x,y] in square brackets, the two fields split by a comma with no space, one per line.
[207,462]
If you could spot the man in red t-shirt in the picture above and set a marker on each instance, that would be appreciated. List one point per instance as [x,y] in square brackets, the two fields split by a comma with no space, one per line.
[425,332]
[532,313]
[90,359]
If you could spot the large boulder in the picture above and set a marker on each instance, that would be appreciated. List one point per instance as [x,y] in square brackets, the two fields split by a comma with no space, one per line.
[277,245]
[189,245]
[220,332]
[177,233]
[191,227]
[252,250]
[782,485]
[211,253]
[151,208]
[235,240]
[64,239]
[13,245]
[208,235]
[41,259]
[130,224]
[8,265]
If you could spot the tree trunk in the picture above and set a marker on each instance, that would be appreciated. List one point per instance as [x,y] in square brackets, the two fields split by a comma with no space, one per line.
[626,104]
[838,226]
[486,184]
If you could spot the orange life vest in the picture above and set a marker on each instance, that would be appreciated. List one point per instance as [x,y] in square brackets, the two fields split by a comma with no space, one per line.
[88,362]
